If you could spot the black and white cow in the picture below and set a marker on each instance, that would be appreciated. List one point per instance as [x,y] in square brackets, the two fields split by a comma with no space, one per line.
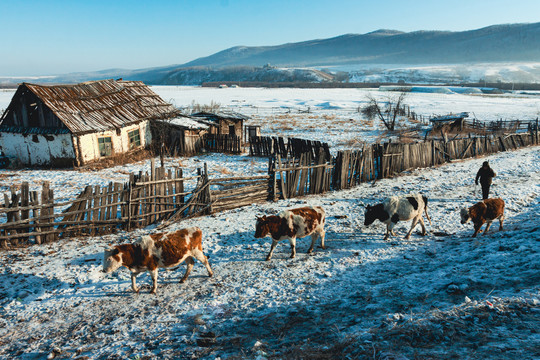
[395,209]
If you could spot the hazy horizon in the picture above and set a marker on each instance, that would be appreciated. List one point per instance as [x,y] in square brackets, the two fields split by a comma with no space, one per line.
[43,38]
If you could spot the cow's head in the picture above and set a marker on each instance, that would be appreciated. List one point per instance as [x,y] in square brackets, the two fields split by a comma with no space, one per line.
[262,227]
[370,215]
[465,216]
[112,260]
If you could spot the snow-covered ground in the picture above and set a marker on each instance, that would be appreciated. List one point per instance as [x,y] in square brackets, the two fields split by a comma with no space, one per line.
[444,295]
[332,115]
[441,296]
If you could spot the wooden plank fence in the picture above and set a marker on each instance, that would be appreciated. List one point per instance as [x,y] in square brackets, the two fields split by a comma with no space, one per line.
[231,144]
[498,126]
[160,197]
[291,177]
[291,147]
[387,160]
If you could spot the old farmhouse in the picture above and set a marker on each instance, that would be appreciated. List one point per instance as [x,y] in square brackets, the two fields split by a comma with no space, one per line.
[223,123]
[71,125]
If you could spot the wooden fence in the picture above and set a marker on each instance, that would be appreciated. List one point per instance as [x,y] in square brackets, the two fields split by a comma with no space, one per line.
[499,126]
[292,147]
[294,177]
[161,196]
[158,197]
[231,144]
[379,161]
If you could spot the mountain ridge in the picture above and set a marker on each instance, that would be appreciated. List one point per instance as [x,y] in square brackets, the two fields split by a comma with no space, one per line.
[502,43]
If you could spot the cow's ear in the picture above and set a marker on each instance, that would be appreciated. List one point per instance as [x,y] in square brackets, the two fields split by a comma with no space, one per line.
[264,217]
[116,251]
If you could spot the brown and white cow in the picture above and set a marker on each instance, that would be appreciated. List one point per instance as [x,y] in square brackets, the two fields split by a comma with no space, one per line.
[292,224]
[485,211]
[395,209]
[163,250]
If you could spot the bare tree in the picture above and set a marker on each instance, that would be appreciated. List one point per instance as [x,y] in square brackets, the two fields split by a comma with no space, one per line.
[387,111]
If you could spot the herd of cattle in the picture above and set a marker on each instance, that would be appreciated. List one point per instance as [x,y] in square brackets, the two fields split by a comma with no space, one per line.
[165,250]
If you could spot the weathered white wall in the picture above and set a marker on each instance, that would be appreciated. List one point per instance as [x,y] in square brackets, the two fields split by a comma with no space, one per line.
[36,149]
[120,144]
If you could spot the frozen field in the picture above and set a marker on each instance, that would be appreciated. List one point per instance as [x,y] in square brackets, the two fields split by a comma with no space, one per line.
[442,296]
[331,115]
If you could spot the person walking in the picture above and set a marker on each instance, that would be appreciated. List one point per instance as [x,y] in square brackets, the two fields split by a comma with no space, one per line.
[486,175]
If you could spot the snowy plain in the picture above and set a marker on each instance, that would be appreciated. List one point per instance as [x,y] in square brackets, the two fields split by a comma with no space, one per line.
[442,296]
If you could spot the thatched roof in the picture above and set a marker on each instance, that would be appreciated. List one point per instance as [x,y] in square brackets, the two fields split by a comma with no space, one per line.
[102,105]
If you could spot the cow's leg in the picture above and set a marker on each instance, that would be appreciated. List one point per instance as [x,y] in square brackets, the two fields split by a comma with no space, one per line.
[488,224]
[501,223]
[189,266]
[425,211]
[153,274]
[133,281]
[322,234]
[199,255]
[413,225]
[292,241]
[314,237]
[477,229]
[388,231]
[424,232]
[272,247]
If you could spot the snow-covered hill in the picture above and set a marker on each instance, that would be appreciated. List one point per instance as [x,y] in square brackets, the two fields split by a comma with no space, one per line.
[508,53]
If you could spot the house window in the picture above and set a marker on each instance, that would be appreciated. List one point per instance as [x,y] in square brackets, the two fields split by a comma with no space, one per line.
[134,139]
[105,146]
[231,130]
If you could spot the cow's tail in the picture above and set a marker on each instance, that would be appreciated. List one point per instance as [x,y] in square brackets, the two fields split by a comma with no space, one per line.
[425,209]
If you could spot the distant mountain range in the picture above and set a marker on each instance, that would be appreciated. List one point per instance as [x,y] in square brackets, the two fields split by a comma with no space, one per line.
[379,55]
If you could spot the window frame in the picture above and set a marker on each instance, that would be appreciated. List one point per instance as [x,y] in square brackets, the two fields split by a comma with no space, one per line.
[102,146]
[134,139]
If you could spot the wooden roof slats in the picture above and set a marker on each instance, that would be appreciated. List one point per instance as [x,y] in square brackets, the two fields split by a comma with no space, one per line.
[102,105]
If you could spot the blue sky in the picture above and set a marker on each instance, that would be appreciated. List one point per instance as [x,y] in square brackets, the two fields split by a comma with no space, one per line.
[43,37]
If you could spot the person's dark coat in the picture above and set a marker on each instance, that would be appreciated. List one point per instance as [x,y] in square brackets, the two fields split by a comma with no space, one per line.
[485,174]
